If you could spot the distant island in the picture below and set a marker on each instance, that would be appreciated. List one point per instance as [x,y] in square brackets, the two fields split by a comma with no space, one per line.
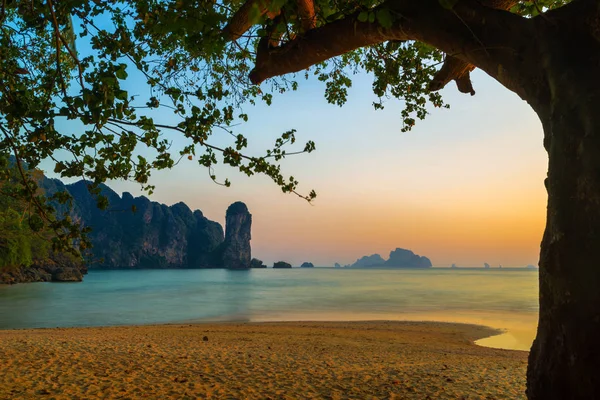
[399,258]
[256,263]
[282,264]
[373,260]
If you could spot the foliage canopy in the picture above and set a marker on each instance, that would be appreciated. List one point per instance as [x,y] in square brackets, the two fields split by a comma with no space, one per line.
[64,67]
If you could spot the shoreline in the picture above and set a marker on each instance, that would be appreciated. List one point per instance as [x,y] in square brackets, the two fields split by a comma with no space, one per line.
[257,360]
[496,337]
[486,331]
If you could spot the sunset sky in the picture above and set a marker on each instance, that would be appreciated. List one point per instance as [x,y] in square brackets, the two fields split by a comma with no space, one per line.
[465,186]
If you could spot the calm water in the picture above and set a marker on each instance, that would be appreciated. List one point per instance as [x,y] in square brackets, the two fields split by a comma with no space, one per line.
[505,299]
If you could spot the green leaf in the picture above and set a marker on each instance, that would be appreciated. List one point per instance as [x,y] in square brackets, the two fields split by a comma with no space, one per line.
[254,14]
[363,16]
[448,4]
[385,18]
[120,72]
[121,94]
[102,202]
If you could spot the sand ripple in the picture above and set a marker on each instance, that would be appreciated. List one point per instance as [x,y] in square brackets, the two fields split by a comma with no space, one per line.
[316,360]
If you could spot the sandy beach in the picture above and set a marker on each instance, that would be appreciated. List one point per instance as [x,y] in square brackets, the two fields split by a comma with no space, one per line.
[333,360]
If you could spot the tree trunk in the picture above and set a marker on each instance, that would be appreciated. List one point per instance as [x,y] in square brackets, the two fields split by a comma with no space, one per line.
[564,362]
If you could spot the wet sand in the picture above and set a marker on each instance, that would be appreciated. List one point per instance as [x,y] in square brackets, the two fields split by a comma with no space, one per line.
[320,360]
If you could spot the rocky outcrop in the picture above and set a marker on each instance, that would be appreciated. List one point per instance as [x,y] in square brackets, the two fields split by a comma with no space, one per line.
[373,260]
[236,247]
[337,265]
[256,263]
[399,258]
[11,276]
[307,265]
[282,264]
[407,259]
[486,265]
[453,266]
[58,268]
[66,275]
[134,232]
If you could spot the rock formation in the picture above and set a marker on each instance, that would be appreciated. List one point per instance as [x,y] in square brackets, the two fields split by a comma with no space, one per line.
[256,263]
[236,247]
[139,233]
[66,275]
[307,265]
[58,268]
[282,264]
[399,258]
[373,260]
[453,266]
[337,265]
[407,259]
[486,265]
[135,232]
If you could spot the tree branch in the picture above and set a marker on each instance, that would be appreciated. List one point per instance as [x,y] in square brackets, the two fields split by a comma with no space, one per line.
[500,4]
[318,45]
[241,20]
[306,14]
[458,70]
[473,33]
[454,69]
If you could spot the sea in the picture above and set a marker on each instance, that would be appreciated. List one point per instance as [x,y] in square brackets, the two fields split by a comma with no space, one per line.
[505,298]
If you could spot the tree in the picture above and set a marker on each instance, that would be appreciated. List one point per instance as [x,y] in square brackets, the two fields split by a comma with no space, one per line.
[195,57]
[15,248]
[22,239]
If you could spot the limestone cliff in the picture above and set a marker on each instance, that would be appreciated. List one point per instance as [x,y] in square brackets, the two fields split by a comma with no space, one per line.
[236,247]
[135,232]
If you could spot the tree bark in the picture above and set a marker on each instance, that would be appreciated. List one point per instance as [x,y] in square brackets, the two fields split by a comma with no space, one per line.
[455,69]
[564,362]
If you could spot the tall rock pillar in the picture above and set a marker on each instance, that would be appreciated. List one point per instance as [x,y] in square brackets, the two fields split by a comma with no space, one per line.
[236,248]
